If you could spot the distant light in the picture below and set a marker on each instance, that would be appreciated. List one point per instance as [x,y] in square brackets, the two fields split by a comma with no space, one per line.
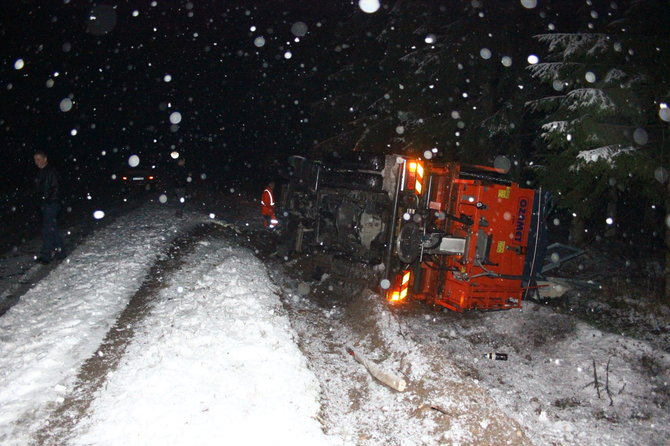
[212,216]
[98,215]
[430,38]
[369,6]
[73,132]
[609,221]
[533,59]
[252,29]
[19,64]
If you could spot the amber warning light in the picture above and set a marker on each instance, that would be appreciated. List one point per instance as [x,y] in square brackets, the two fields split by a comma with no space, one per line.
[400,289]
[415,177]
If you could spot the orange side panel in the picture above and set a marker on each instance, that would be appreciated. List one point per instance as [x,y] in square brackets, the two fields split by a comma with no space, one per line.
[494,219]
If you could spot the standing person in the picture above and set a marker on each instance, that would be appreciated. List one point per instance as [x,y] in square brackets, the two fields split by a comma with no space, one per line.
[180,180]
[49,195]
[268,206]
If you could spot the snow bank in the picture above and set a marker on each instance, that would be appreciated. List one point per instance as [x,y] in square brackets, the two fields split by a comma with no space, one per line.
[215,363]
[62,320]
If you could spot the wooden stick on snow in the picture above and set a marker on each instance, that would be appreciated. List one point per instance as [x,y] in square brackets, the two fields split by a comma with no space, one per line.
[392,381]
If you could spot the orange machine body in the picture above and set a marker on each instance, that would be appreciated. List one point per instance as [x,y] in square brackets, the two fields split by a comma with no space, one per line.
[484,247]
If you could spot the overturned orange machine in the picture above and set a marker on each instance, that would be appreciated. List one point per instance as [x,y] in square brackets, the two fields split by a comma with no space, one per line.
[467,239]
[459,236]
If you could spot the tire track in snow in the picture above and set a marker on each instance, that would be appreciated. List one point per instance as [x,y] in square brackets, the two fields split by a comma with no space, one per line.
[93,373]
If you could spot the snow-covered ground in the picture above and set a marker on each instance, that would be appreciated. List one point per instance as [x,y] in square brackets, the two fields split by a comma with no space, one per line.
[214,358]
[165,331]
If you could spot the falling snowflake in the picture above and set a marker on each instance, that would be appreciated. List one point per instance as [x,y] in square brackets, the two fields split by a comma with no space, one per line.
[369,6]
[175,117]
[65,105]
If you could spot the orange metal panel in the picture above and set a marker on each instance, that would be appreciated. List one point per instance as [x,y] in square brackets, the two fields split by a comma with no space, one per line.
[494,218]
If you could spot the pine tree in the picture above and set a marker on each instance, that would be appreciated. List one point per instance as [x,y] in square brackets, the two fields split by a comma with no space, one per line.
[600,135]
[435,74]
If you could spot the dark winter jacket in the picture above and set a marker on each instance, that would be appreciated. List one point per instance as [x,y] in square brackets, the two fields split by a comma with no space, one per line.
[48,185]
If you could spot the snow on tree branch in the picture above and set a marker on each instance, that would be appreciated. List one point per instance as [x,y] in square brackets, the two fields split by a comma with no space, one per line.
[605,153]
[569,45]
[555,127]
[595,98]
[545,104]
[546,70]
[614,75]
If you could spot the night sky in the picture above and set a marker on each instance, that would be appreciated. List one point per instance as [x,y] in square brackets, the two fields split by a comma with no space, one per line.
[93,83]
[232,70]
